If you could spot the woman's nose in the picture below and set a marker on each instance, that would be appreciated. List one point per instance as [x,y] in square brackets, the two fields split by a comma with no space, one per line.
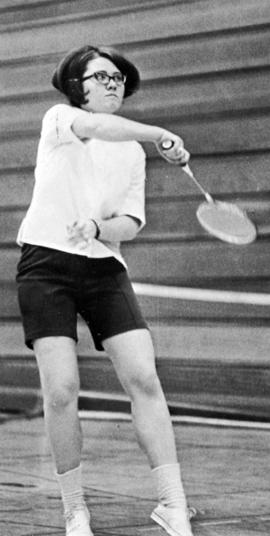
[111,84]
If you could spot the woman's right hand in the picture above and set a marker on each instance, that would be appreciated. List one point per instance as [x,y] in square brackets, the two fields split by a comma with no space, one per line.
[80,233]
[171,148]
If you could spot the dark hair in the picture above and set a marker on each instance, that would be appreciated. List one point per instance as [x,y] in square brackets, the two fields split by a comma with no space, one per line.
[68,74]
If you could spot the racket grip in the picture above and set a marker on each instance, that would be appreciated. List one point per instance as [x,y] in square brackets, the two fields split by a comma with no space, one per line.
[166,145]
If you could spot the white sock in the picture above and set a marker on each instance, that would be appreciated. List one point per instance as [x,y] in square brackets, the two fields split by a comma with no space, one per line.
[169,486]
[71,489]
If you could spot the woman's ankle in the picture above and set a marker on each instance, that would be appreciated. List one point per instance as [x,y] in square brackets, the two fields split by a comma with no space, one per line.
[70,484]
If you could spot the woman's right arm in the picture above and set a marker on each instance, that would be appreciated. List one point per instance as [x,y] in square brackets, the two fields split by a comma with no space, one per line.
[110,127]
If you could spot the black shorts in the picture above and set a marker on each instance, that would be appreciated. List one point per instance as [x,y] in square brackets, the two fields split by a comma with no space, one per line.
[54,287]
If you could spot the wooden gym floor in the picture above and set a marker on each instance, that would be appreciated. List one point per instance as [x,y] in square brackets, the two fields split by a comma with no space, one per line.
[225,470]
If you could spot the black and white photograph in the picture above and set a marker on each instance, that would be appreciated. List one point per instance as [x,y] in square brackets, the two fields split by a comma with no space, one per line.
[135,268]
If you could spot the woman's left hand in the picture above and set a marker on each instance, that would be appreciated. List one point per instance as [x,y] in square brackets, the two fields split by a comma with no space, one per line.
[81,233]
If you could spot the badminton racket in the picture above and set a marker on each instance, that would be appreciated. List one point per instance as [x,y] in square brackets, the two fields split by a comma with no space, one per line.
[223,220]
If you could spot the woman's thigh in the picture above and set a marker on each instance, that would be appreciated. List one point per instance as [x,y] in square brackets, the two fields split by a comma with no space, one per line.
[132,354]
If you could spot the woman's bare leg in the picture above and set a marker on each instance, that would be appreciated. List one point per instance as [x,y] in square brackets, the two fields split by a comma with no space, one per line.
[132,354]
[57,362]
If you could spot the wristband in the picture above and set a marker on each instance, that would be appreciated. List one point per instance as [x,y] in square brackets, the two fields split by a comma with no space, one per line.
[97,229]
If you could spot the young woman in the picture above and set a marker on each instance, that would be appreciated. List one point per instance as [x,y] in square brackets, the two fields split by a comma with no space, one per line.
[88,197]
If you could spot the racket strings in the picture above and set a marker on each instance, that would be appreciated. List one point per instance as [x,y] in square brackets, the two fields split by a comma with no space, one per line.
[227,222]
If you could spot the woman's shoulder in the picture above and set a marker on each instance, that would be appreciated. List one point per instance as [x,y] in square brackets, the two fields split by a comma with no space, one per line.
[56,108]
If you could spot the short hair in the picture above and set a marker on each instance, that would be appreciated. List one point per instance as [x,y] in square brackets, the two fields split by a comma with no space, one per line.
[67,77]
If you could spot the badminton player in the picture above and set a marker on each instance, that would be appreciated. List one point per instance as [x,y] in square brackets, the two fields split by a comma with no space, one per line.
[88,197]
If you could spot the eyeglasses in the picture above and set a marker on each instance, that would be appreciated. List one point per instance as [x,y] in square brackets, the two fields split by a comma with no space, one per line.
[104,78]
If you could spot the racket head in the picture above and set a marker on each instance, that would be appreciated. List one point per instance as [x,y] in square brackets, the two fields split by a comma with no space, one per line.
[227,222]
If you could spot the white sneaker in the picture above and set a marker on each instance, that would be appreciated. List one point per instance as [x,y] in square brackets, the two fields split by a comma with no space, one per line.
[77,522]
[173,520]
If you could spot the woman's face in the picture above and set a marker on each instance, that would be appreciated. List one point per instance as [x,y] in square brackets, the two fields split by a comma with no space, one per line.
[102,98]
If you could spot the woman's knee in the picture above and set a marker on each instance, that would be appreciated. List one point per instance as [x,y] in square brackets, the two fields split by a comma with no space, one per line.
[132,354]
[58,372]
[144,382]
[61,394]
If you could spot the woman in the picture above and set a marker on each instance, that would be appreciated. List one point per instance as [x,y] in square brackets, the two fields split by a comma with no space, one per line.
[88,197]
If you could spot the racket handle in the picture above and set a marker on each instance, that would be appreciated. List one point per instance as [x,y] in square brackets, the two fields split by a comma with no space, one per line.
[166,145]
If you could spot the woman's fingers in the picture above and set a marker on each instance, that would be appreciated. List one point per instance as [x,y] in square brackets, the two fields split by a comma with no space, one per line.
[75,233]
[184,157]
[171,147]
[178,156]
[81,232]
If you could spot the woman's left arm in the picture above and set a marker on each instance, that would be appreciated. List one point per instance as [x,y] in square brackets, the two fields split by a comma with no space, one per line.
[116,229]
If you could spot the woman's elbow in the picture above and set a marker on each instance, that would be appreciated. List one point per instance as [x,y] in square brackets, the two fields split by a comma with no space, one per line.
[131,235]
[132,229]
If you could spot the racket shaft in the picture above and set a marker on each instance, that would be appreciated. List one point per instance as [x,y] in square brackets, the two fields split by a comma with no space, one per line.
[168,145]
[188,171]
